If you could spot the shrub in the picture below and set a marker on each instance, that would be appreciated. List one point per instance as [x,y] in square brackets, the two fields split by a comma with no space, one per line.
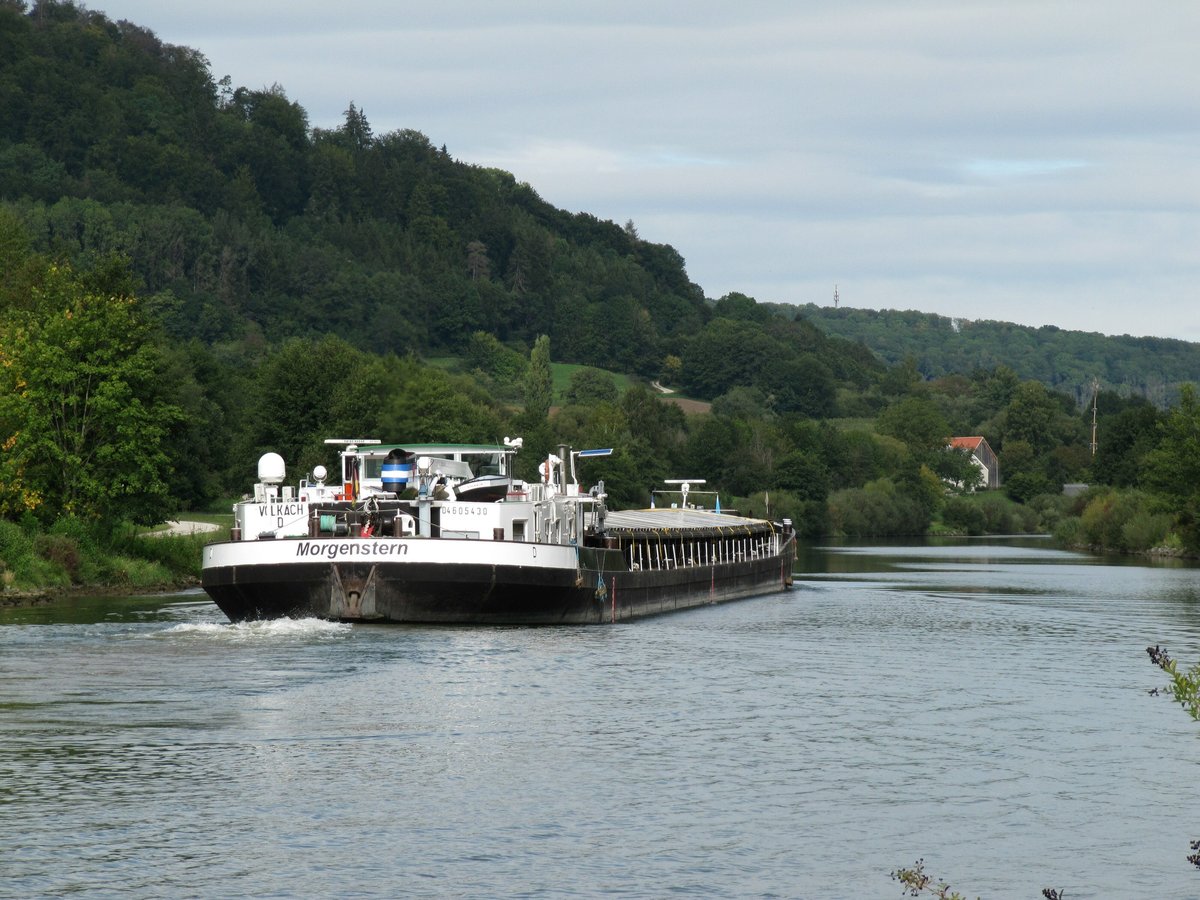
[139,573]
[1145,530]
[21,566]
[1121,520]
[179,554]
[879,508]
[1069,532]
[62,551]
[965,515]
[1052,509]
[1024,486]
[990,513]
[15,545]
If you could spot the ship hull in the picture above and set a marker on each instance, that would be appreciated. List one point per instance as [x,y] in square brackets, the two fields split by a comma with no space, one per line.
[466,582]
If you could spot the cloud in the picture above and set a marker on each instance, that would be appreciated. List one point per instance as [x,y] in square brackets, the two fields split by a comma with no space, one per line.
[1030,160]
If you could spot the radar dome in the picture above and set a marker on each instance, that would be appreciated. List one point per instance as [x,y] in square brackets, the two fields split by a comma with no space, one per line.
[271,469]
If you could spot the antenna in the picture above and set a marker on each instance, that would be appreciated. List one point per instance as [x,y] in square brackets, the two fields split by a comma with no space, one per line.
[587,454]
[835,296]
[685,485]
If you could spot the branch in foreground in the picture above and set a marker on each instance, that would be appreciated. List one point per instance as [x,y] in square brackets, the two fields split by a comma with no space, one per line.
[915,881]
[1185,688]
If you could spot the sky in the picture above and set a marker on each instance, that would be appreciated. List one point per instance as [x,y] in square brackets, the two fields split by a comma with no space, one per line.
[1030,161]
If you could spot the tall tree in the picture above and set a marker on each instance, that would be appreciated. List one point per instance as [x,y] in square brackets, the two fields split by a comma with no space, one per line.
[1172,469]
[539,384]
[917,422]
[82,419]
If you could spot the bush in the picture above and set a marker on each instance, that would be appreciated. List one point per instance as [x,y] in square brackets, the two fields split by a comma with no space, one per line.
[1024,486]
[138,573]
[21,566]
[990,513]
[60,550]
[74,551]
[1069,532]
[179,554]
[1053,508]
[1145,531]
[1119,520]
[15,545]
[877,509]
[808,516]
[965,515]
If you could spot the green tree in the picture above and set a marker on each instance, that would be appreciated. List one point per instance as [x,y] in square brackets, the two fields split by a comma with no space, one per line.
[539,383]
[1123,439]
[82,420]
[804,474]
[1031,417]
[917,421]
[739,306]
[1172,469]
[802,385]
[726,353]
[590,385]
[431,405]
[294,391]
[485,354]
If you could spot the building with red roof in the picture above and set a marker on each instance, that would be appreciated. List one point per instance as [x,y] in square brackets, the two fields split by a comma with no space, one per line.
[983,456]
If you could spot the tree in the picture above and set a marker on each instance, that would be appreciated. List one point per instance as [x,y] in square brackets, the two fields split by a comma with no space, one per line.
[294,391]
[726,353]
[918,422]
[739,306]
[1124,439]
[804,474]
[589,385]
[539,384]
[1172,469]
[356,132]
[82,419]
[478,264]
[801,385]
[1031,416]
[485,354]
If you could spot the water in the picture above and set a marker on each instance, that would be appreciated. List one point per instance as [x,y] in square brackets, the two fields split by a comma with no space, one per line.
[982,705]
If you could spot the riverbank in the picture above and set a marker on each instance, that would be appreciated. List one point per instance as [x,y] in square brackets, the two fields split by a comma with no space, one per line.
[75,559]
[24,599]
[28,599]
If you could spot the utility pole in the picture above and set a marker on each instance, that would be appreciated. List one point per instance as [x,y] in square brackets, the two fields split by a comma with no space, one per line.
[1095,396]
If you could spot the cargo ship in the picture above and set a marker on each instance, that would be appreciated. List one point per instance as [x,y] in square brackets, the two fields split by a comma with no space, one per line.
[446,534]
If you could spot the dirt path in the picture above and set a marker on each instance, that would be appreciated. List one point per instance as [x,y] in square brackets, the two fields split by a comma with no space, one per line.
[184,527]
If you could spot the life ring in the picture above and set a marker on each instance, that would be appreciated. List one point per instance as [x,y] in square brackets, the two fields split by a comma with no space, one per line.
[545,470]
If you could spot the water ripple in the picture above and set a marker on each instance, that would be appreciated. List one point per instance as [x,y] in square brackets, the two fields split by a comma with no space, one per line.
[984,708]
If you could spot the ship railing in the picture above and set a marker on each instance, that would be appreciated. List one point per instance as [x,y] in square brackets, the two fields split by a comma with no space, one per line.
[658,553]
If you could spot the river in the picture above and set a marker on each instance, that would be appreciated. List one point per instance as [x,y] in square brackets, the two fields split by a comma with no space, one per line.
[981,704]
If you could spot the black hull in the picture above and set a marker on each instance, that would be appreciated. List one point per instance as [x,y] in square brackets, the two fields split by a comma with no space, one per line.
[600,590]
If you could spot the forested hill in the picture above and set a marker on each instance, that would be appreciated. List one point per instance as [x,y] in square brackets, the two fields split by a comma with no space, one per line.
[248,224]
[113,140]
[1066,360]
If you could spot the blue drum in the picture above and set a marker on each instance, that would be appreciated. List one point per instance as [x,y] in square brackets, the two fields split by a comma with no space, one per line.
[397,471]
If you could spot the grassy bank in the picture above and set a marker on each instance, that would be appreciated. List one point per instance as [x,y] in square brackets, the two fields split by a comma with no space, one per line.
[75,556]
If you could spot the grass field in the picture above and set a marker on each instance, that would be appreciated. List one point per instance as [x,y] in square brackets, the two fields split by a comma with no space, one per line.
[560,374]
